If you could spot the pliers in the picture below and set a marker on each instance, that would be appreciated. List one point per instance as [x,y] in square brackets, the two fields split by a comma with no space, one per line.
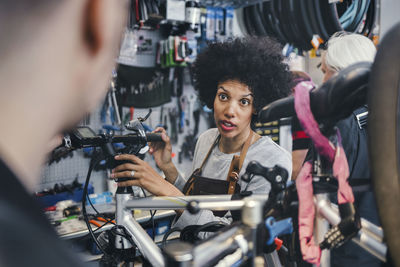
[95,221]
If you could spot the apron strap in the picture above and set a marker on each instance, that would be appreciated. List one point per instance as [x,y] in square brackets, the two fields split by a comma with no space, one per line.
[198,170]
[237,162]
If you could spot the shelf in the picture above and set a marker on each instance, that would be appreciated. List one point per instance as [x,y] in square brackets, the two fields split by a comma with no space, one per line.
[231,3]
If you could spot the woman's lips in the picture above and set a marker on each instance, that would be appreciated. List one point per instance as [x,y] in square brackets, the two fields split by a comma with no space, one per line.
[227,125]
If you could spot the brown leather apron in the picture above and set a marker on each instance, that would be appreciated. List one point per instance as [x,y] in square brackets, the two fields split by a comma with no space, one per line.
[199,185]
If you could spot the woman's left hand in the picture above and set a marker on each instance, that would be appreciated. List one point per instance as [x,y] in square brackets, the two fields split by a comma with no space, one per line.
[143,175]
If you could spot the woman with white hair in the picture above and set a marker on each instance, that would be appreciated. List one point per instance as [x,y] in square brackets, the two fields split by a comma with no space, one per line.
[343,50]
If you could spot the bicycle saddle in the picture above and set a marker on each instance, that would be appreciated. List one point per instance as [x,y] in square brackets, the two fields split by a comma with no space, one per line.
[334,100]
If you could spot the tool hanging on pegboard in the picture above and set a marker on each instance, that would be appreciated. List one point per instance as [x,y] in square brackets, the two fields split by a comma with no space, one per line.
[145,13]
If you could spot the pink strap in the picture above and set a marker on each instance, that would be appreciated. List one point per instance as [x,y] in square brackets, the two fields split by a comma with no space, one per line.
[341,173]
[310,251]
[307,121]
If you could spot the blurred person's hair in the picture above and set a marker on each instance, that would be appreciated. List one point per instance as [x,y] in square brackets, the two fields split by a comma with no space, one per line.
[344,49]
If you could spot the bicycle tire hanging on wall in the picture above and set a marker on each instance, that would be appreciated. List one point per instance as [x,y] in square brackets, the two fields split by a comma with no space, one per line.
[298,22]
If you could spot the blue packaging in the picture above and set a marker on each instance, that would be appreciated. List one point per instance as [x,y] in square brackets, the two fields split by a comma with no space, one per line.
[219,23]
[210,24]
[229,13]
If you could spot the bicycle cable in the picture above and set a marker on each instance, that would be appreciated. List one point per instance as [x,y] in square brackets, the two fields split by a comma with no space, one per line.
[151,216]
[84,213]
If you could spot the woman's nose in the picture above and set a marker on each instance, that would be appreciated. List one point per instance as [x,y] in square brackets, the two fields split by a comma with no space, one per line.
[230,109]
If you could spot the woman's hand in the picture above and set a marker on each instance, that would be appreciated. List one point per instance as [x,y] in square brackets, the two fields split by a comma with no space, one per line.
[161,151]
[143,175]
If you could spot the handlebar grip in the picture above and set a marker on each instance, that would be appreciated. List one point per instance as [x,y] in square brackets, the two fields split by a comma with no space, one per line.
[154,137]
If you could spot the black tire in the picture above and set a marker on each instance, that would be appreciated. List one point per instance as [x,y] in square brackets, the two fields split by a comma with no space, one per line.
[265,20]
[255,17]
[316,19]
[384,137]
[331,17]
[300,41]
[248,22]
[270,19]
[295,7]
[276,22]
[241,22]
[281,13]
[369,22]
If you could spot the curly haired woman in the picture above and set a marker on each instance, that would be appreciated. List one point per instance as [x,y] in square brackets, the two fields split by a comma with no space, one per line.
[235,79]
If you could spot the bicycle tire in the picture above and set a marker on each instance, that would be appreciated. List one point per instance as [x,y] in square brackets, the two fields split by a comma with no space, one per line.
[384,137]
[369,21]
[266,11]
[288,14]
[276,23]
[240,18]
[331,17]
[265,21]
[248,22]
[281,13]
[256,21]
[305,36]
[316,19]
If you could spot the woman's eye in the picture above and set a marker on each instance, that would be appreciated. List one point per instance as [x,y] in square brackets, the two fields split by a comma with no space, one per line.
[244,102]
[223,96]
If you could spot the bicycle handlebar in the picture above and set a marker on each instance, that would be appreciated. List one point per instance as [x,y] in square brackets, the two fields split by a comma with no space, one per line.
[154,137]
[83,136]
[334,100]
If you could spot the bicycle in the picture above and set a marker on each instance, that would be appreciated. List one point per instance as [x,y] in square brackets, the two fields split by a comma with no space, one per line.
[333,101]
[383,106]
[119,244]
[129,233]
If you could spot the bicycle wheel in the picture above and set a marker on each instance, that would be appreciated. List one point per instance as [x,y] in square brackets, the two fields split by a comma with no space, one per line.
[384,137]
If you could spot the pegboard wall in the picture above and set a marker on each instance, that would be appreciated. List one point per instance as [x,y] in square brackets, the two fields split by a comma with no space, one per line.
[139,49]
[75,166]
[67,169]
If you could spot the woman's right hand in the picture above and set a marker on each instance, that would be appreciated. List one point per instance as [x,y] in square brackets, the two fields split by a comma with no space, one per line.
[161,151]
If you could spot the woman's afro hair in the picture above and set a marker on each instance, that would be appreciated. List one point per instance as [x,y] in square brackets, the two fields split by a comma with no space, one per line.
[254,61]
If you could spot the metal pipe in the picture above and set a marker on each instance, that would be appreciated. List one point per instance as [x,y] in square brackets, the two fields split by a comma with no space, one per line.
[140,237]
[215,246]
[222,205]
[370,244]
[169,203]
[364,238]
[321,226]
[144,243]
[120,217]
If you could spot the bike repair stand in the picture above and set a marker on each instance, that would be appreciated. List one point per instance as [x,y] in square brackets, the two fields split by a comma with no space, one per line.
[320,176]
[120,245]
[325,183]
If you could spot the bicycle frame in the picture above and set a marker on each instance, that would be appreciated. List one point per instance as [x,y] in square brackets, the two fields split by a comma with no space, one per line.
[126,202]
[369,237]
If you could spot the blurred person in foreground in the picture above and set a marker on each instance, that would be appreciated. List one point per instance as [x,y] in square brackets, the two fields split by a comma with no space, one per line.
[56,62]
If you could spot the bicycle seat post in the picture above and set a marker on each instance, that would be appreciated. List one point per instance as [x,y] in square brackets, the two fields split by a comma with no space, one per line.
[252,216]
